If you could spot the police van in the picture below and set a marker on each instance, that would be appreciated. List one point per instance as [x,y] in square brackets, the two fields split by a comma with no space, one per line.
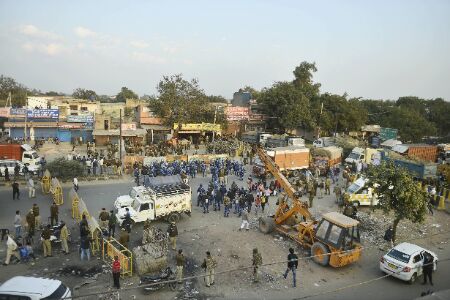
[360,193]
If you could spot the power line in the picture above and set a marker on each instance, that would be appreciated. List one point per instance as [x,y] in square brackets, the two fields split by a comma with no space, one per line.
[263,265]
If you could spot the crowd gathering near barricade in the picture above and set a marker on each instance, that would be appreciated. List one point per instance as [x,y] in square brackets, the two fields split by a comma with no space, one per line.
[219,194]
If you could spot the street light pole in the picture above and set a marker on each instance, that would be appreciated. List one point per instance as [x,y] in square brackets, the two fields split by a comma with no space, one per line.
[214,130]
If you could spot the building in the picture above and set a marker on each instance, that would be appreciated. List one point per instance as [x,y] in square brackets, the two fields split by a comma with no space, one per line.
[156,130]
[241,98]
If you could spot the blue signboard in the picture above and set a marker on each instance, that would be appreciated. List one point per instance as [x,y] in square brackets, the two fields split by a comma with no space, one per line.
[17,111]
[80,119]
[43,114]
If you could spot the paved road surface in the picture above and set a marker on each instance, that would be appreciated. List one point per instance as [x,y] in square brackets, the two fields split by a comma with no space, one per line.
[98,195]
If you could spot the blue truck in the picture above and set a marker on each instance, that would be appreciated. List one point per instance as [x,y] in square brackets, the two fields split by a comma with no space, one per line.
[419,170]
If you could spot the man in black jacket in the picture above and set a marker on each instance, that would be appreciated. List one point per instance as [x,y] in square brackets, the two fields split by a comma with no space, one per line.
[428,265]
[291,265]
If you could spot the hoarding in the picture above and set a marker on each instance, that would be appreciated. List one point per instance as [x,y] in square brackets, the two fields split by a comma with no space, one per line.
[18,112]
[236,113]
[197,127]
[4,112]
[128,126]
[388,134]
[43,113]
[80,119]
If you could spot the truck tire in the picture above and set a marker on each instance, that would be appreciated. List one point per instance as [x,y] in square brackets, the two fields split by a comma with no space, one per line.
[266,225]
[173,217]
[320,254]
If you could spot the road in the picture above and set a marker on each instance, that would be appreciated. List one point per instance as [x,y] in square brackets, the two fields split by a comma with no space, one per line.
[312,279]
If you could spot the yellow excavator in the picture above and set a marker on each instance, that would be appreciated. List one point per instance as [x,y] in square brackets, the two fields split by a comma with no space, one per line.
[334,240]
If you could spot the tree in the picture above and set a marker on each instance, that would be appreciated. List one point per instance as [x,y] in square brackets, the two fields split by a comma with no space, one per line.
[126,93]
[304,79]
[216,99]
[17,90]
[182,101]
[398,193]
[286,105]
[255,93]
[80,93]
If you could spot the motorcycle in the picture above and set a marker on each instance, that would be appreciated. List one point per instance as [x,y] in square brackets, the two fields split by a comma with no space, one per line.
[161,278]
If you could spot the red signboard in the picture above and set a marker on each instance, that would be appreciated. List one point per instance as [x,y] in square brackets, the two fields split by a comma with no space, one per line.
[237,113]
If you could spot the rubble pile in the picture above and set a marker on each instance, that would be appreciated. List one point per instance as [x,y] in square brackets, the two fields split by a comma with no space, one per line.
[92,272]
[152,255]
[372,228]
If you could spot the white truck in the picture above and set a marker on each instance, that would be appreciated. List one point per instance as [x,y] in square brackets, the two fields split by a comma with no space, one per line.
[368,155]
[166,197]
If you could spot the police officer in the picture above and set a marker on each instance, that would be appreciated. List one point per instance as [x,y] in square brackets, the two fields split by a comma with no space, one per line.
[54,212]
[104,218]
[172,231]
[428,265]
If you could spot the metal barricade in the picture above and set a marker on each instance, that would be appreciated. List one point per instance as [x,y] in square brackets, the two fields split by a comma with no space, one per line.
[111,248]
[57,191]
[45,182]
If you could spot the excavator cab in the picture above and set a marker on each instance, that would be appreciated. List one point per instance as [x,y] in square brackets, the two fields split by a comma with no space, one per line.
[337,240]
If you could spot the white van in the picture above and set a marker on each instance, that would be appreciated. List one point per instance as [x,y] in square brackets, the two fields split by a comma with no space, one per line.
[33,288]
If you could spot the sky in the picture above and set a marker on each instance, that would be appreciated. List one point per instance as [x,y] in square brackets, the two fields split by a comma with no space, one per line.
[371,49]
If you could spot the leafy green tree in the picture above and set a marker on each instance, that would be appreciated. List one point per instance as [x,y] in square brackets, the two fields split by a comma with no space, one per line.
[65,169]
[398,193]
[182,101]
[126,93]
[80,93]
[286,105]
[412,126]
[17,90]
[216,99]
[255,93]
[439,114]
[304,79]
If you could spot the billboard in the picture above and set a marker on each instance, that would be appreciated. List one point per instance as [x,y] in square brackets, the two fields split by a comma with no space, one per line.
[18,112]
[197,127]
[388,134]
[4,112]
[236,113]
[128,126]
[80,119]
[43,114]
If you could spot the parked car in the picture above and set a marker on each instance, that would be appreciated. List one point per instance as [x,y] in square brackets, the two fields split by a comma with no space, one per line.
[405,261]
[11,164]
[33,288]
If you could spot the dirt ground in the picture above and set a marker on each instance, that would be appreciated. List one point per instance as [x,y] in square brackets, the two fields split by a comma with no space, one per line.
[232,249]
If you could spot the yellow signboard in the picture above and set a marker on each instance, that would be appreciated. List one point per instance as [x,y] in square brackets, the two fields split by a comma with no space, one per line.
[198,127]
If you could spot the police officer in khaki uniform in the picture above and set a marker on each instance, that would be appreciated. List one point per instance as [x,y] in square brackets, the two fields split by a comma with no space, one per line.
[104,218]
[46,233]
[37,217]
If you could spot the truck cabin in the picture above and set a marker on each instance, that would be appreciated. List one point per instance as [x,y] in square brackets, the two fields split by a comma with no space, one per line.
[338,231]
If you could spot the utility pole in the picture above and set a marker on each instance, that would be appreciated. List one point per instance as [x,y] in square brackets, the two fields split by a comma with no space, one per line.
[320,117]
[120,136]
[214,131]
[26,118]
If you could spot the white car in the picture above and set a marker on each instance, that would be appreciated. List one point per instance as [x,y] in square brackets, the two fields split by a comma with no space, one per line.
[33,288]
[405,261]
[11,164]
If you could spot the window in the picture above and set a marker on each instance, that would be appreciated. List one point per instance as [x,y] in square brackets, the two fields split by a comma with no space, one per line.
[83,108]
[73,107]
[417,258]
[353,188]
[27,156]
[335,233]
[322,229]
[58,293]
[403,257]
[144,206]
[106,124]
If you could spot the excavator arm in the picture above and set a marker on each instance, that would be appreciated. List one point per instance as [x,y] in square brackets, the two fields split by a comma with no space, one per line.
[283,211]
